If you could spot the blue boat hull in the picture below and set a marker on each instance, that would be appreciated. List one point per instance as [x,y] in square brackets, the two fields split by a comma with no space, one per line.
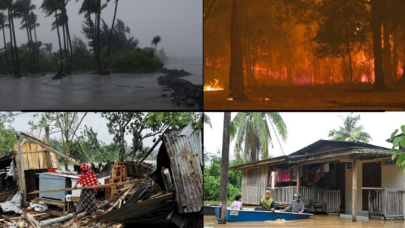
[255,216]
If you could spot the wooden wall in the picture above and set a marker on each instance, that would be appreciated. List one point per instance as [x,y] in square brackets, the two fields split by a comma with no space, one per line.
[36,157]
[251,194]
[390,178]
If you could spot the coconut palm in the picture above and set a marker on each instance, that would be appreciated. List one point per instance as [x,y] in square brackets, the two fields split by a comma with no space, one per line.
[50,7]
[33,26]
[111,34]
[155,42]
[3,19]
[94,7]
[48,49]
[9,6]
[22,10]
[252,134]
[350,131]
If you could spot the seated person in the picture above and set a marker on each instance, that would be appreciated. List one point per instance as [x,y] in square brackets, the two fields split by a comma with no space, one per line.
[296,206]
[237,204]
[267,203]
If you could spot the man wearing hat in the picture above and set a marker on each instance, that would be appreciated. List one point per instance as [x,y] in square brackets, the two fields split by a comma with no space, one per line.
[296,206]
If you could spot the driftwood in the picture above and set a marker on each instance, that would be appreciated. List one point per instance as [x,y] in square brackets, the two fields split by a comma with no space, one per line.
[87,187]
[67,217]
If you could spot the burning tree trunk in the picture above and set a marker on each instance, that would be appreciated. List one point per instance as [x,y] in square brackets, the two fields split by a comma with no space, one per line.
[376,21]
[387,49]
[236,77]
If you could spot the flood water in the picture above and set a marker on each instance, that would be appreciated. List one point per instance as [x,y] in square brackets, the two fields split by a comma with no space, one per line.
[86,91]
[316,221]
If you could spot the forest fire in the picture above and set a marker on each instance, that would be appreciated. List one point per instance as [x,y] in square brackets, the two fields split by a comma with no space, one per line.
[213,86]
[328,46]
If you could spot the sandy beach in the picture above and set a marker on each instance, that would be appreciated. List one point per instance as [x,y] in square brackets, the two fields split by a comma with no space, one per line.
[86,91]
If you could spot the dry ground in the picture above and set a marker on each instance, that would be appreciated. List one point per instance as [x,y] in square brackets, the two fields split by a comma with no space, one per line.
[317,97]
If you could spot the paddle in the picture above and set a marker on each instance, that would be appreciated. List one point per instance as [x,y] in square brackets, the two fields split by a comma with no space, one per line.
[278,215]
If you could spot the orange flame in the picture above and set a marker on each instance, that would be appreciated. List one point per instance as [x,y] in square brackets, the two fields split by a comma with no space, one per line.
[213,86]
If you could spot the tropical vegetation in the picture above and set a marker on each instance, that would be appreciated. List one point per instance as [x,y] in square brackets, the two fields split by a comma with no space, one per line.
[252,134]
[106,48]
[350,131]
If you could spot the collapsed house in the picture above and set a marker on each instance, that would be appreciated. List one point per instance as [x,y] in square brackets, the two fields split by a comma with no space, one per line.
[134,192]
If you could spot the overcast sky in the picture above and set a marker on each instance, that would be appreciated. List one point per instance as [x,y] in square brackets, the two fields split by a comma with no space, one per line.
[307,128]
[177,22]
[91,120]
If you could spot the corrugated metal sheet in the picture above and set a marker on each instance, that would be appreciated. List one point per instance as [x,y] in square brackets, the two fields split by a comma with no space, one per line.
[185,149]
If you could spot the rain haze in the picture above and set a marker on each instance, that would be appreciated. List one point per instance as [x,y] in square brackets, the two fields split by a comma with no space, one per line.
[177,22]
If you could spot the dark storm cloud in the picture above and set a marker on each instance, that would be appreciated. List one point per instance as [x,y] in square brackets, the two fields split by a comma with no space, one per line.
[178,22]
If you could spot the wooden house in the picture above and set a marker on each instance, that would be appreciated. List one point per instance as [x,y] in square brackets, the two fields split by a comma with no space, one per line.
[334,176]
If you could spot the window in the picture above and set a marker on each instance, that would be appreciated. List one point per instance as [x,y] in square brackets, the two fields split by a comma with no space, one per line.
[253,176]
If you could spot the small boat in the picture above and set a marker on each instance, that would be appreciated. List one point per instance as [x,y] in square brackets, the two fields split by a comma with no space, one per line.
[210,209]
[250,215]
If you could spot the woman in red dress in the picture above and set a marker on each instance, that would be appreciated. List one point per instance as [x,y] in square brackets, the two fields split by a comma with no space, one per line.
[88,196]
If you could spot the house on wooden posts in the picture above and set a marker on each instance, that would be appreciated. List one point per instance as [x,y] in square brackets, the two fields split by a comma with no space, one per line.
[332,176]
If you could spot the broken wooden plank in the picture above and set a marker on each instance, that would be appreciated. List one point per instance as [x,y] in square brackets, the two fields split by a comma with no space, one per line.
[87,187]
[69,216]
[121,198]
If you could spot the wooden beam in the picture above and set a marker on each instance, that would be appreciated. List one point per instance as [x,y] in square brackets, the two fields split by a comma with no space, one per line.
[49,142]
[354,189]
[150,150]
[87,187]
[298,178]
[224,168]
[37,141]
[22,177]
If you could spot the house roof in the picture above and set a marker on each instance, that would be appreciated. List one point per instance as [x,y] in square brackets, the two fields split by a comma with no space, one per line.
[184,149]
[323,147]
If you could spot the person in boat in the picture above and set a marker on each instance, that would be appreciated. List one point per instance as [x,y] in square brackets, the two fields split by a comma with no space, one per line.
[87,200]
[237,204]
[296,206]
[267,203]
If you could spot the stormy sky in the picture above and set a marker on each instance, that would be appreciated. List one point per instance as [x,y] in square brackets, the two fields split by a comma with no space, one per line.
[177,22]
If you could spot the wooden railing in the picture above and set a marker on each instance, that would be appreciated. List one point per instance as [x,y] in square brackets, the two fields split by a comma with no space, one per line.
[386,202]
[310,196]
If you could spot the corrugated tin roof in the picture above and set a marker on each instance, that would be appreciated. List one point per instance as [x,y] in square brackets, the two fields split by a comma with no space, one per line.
[185,153]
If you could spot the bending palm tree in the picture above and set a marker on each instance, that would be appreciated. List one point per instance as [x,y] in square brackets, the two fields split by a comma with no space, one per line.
[3,19]
[111,34]
[252,134]
[9,6]
[350,131]
[22,10]
[51,7]
[155,42]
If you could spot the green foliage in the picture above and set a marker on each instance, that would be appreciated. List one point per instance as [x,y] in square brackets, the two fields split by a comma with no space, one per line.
[398,145]
[350,131]
[7,140]
[138,60]
[212,180]
[251,130]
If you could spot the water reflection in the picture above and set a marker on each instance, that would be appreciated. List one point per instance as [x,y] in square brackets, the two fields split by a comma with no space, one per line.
[316,221]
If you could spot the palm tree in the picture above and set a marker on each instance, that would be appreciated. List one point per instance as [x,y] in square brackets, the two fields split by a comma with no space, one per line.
[9,6]
[252,134]
[3,19]
[48,48]
[94,7]
[33,19]
[350,131]
[22,10]
[50,7]
[111,34]
[155,42]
